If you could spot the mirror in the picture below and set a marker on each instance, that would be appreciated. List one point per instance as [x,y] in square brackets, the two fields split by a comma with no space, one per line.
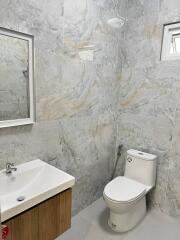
[16,78]
[171,42]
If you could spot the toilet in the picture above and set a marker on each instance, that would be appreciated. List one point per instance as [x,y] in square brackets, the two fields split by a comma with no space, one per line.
[125,196]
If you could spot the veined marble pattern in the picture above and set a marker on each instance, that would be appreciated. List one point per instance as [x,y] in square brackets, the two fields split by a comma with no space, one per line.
[84,109]
[148,106]
[75,127]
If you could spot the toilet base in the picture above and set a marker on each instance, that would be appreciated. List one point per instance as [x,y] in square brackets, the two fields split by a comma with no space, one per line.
[122,222]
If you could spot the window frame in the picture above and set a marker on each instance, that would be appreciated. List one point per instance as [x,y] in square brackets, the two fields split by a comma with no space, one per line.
[168,31]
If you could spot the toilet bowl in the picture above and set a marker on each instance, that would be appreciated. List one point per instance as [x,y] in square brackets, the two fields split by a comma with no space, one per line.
[125,196]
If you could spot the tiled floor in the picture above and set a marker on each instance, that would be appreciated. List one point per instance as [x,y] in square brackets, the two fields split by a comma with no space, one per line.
[91,224]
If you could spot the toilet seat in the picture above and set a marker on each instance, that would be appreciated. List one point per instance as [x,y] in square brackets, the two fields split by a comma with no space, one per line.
[124,190]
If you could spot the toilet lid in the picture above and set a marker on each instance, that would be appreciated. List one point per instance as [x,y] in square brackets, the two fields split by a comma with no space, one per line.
[122,189]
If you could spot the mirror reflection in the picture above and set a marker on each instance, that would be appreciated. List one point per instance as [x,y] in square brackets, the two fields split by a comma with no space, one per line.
[14,97]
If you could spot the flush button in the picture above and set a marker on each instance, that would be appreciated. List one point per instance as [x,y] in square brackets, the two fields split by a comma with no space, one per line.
[129,159]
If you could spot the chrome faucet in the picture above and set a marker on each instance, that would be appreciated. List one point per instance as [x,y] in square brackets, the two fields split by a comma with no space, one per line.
[10,167]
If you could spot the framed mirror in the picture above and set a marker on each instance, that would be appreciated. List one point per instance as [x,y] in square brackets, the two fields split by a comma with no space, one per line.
[16,78]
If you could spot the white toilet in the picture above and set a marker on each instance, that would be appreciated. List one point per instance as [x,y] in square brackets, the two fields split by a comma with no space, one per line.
[126,195]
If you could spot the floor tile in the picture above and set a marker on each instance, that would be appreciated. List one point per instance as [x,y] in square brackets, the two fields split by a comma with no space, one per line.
[78,231]
[91,224]
[98,232]
[93,212]
[156,226]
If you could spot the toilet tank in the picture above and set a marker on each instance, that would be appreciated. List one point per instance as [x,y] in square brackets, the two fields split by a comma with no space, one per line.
[141,167]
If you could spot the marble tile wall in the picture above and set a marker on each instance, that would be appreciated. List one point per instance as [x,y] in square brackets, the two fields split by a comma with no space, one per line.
[149,97]
[84,108]
[75,127]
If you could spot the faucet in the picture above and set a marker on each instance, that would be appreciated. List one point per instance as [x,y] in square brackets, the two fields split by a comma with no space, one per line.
[10,167]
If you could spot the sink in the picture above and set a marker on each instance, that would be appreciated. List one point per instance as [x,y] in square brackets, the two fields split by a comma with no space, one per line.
[32,183]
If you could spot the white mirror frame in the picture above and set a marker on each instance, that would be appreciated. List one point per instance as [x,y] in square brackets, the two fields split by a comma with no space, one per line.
[30,40]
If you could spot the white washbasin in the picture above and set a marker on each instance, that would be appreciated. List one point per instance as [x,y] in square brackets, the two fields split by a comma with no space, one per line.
[36,181]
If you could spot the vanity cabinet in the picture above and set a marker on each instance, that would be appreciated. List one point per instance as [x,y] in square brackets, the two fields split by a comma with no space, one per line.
[45,221]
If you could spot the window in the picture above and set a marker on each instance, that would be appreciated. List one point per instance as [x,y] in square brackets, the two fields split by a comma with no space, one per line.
[171,42]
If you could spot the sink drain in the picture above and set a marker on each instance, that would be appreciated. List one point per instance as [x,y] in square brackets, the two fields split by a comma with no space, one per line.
[21,198]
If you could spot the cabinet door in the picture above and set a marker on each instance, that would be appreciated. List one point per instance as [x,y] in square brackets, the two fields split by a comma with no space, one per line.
[55,216]
[48,216]
[65,211]
[25,225]
[45,221]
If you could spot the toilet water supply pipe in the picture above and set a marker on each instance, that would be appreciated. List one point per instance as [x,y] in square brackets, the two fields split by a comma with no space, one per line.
[119,151]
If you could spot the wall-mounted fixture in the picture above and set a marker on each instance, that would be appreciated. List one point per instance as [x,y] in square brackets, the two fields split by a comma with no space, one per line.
[171,42]
[16,78]
[116,22]
[86,53]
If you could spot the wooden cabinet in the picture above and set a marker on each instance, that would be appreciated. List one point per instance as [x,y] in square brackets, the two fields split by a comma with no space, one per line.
[25,225]
[45,221]
[54,216]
